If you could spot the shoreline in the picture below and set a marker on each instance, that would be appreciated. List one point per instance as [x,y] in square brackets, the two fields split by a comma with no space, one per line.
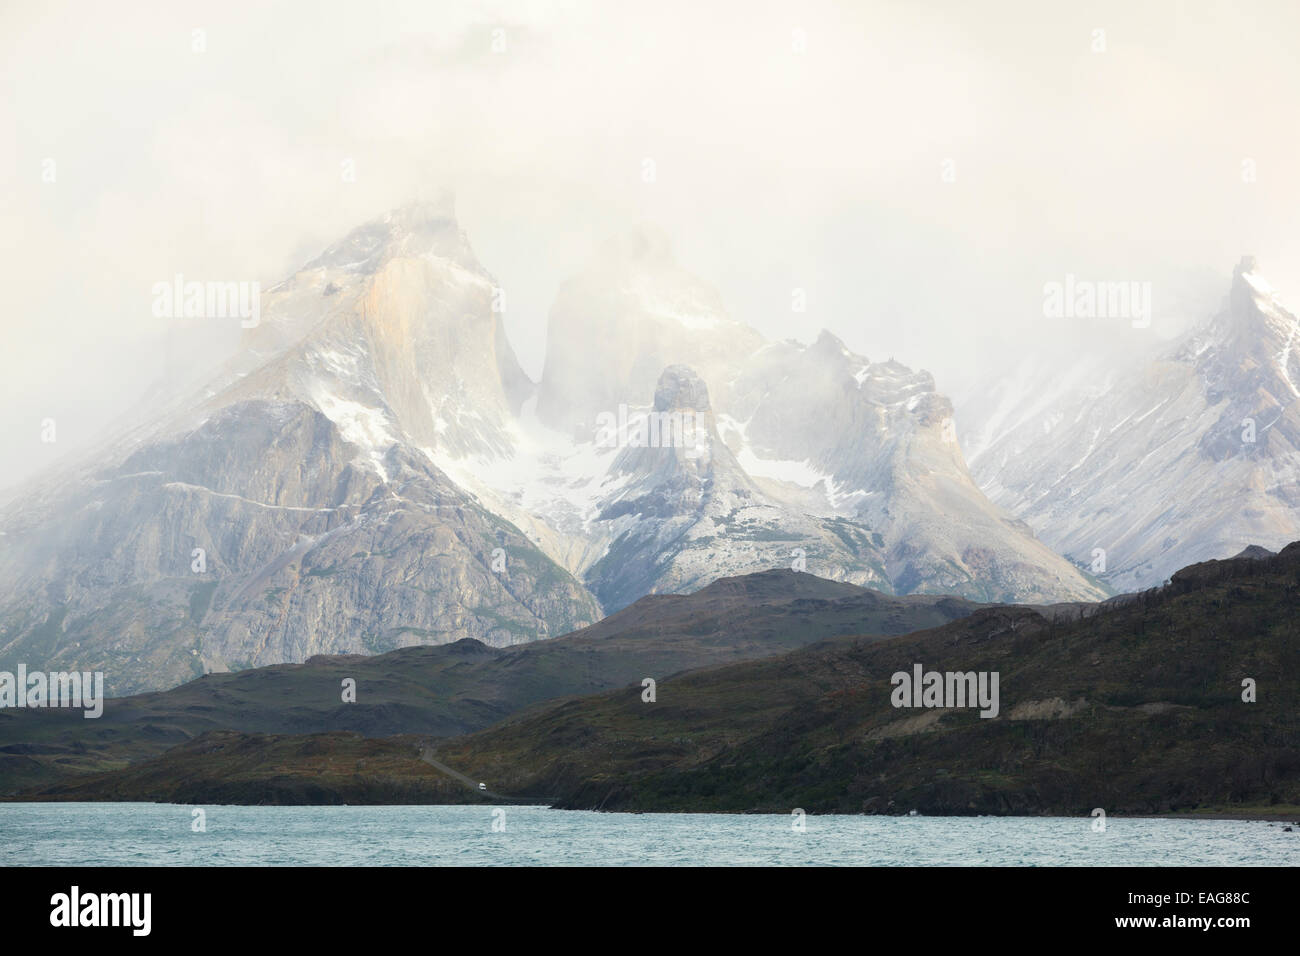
[1287,817]
[1263,817]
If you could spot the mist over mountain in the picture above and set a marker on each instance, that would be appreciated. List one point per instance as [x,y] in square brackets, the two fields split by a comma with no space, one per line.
[286,508]
[1184,455]
[805,455]
[373,469]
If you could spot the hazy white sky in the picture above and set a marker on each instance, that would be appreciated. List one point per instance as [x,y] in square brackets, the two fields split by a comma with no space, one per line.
[795,145]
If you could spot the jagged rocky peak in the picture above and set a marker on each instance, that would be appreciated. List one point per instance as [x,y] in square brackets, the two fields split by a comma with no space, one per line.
[1247,352]
[681,389]
[395,333]
[416,229]
[646,312]
[1244,274]
[1253,304]
[885,381]
[676,438]
[373,274]
[1185,457]
[830,344]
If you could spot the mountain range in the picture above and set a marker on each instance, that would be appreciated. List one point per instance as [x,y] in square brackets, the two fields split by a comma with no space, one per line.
[374,470]
[801,455]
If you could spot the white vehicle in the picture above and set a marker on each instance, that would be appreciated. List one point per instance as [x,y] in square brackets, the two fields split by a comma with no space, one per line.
[482,786]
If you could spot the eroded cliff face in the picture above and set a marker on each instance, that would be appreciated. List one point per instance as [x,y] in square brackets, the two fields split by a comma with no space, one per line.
[291,506]
[812,456]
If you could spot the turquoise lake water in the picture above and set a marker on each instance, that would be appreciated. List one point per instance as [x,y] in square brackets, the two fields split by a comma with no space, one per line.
[161,834]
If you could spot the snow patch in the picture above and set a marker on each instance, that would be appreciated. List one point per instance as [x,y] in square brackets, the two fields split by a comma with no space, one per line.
[360,425]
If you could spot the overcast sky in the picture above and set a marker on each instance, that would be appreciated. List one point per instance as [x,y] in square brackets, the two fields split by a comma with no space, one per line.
[920,169]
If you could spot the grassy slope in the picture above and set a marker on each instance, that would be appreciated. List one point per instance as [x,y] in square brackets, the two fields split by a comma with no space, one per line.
[454,689]
[1135,709]
[226,767]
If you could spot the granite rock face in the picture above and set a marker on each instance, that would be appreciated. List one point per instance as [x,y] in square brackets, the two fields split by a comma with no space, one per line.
[291,507]
[803,456]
